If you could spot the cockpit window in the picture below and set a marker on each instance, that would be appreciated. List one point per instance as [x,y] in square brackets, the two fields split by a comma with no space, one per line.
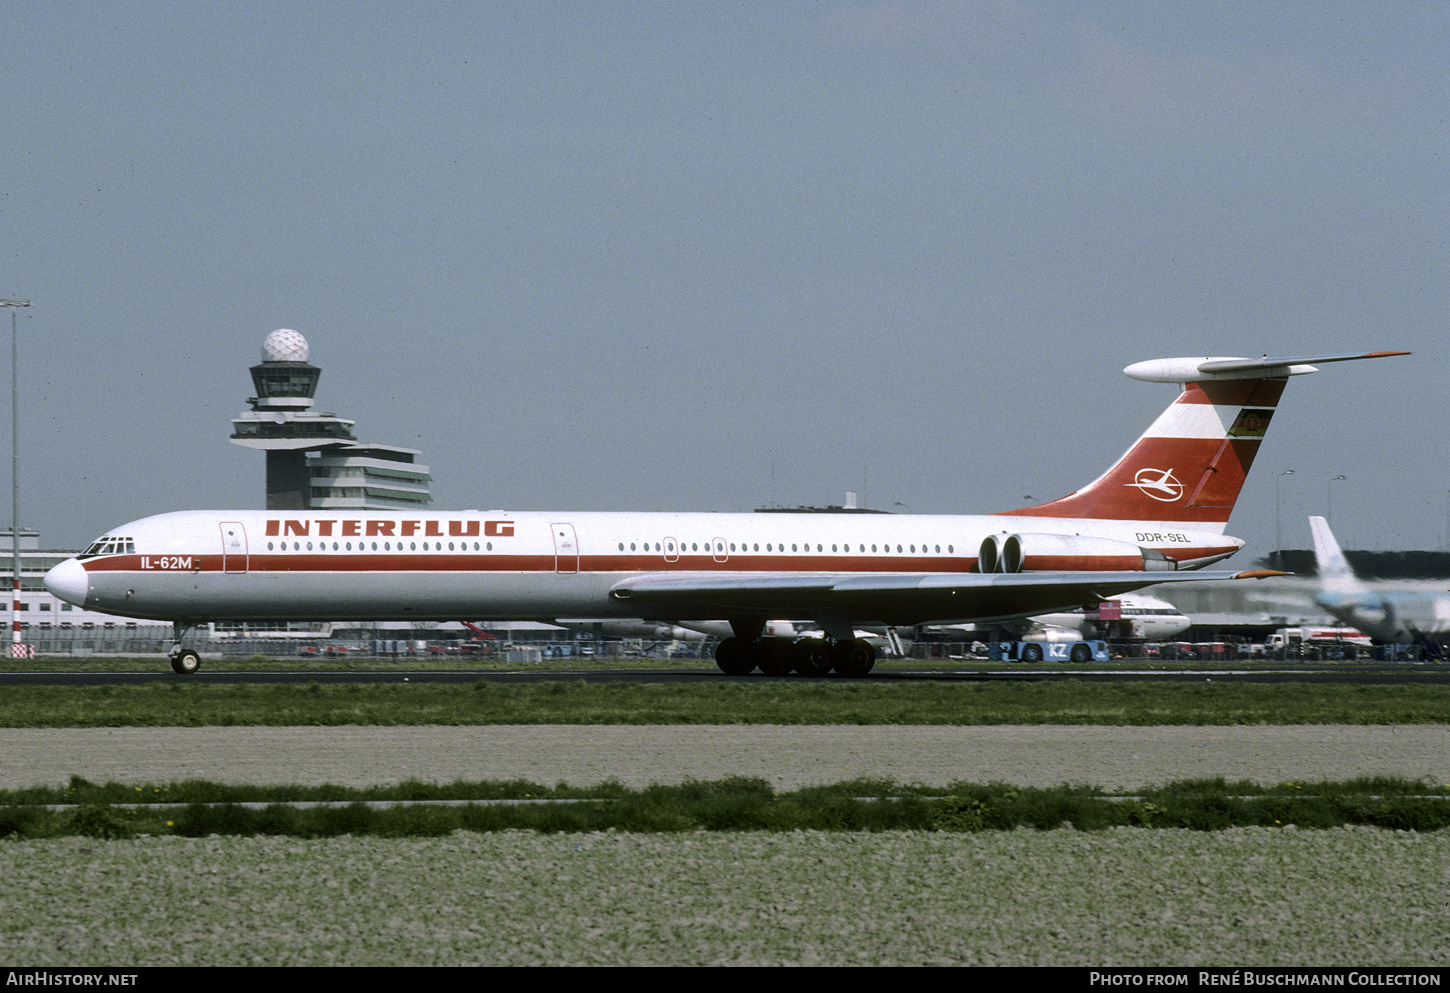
[109,545]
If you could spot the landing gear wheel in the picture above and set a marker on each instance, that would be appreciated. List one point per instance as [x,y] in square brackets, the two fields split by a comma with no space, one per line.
[185,662]
[734,657]
[812,657]
[853,658]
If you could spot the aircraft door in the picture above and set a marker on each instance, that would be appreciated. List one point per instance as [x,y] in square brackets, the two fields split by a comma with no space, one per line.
[566,549]
[234,547]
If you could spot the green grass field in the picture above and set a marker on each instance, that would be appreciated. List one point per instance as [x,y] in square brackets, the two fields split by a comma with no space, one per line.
[417,809]
[180,703]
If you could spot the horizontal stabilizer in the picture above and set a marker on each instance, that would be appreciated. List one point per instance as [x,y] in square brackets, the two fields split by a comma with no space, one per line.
[1209,369]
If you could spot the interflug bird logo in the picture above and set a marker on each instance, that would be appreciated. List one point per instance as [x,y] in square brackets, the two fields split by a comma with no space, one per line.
[1160,484]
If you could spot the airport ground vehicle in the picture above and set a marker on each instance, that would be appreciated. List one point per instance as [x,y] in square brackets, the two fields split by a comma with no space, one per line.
[1048,651]
[1317,642]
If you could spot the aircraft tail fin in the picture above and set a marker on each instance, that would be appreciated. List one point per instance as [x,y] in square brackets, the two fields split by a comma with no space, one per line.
[1335,575]
[1191,463]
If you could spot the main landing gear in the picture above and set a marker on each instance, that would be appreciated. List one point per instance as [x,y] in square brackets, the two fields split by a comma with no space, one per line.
[809,657]
[184,661]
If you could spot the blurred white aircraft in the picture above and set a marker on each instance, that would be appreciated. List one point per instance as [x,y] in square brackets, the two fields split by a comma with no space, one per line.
[1393,616]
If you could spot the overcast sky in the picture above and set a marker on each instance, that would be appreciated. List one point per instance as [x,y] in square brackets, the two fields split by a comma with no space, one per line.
[712,256]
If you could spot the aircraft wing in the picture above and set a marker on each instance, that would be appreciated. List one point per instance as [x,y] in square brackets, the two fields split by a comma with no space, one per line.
[894,598]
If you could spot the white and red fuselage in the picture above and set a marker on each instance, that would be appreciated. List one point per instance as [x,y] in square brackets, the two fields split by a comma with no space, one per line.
[263,565]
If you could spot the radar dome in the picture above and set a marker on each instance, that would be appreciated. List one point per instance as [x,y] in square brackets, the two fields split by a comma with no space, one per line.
[284,345]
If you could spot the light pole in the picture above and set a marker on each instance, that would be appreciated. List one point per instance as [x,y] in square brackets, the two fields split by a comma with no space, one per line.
[14,306]
[1278,501]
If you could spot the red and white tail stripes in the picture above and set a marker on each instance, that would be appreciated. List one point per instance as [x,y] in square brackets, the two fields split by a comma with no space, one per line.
[1188,466]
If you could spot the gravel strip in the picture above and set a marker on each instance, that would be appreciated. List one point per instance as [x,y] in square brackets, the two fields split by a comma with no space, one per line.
[788,757]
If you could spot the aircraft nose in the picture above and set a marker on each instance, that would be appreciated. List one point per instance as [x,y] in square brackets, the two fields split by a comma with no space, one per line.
[69,582]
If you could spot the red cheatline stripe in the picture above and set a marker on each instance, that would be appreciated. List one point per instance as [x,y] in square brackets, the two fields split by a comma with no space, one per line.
[545,564]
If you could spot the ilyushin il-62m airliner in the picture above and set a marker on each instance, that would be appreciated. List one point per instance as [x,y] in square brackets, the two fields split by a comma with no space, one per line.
[1157,516]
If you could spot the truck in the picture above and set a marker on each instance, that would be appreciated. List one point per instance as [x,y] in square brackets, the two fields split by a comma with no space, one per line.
[1316,642]
[1054,651]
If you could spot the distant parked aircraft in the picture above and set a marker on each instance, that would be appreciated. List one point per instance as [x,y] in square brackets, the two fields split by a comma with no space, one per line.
[1388,615]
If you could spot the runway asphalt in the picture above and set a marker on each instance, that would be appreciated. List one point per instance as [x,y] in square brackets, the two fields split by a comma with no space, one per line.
[1434,674]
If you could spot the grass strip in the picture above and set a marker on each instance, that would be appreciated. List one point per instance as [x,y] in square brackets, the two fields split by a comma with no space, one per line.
[749,701]
[735,804]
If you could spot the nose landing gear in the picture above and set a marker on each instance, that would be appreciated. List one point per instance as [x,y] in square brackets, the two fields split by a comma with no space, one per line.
[184,661]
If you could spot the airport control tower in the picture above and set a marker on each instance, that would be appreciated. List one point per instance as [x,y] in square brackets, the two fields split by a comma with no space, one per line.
[313,459]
